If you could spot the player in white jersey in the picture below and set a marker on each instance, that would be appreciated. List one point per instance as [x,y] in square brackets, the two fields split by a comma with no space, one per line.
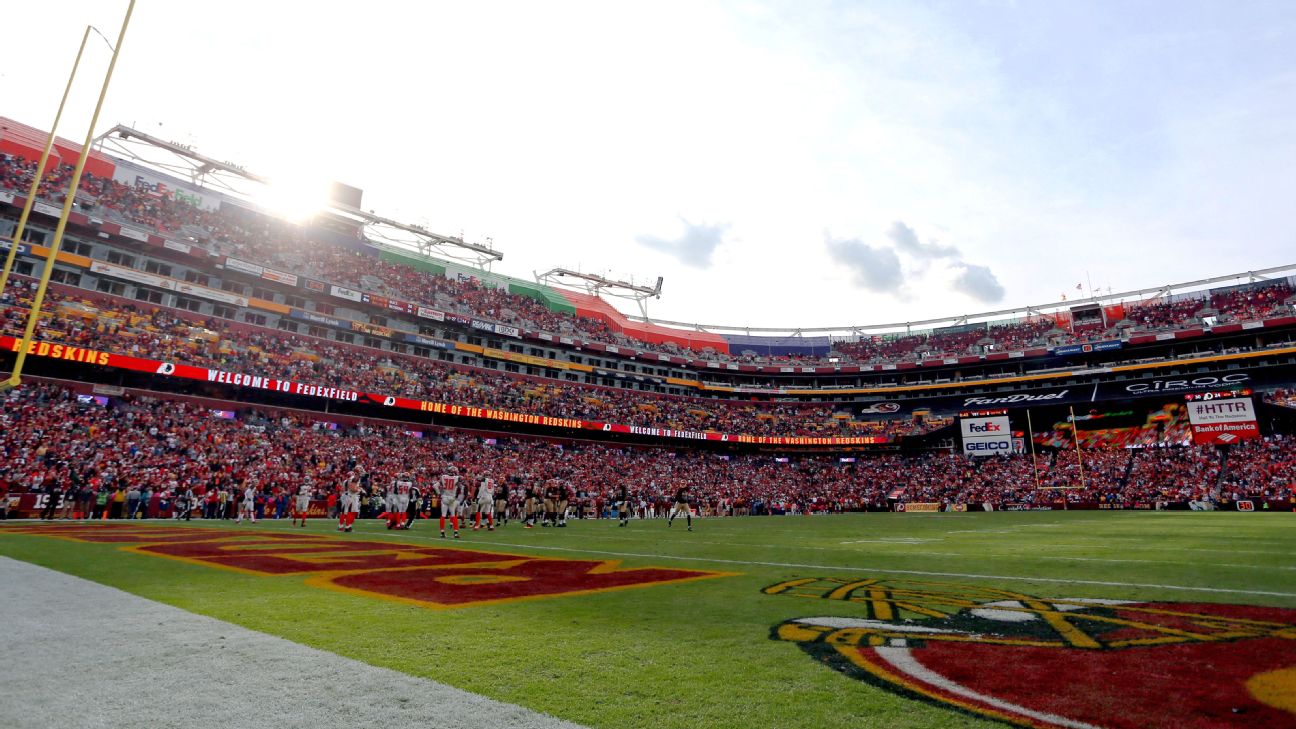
[349,503]
[247,507]
[389,505]
[448,490]
[467,500]
[398,501]
[304,493]
[486,504]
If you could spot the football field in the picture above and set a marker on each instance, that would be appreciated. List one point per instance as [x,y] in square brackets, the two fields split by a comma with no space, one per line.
[1078,619]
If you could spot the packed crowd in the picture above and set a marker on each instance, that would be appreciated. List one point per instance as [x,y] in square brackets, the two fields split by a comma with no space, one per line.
[51,441]
[1281,396]
[114,325]
[283,245]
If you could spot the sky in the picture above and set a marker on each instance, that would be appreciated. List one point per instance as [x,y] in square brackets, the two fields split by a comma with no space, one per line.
[780,164]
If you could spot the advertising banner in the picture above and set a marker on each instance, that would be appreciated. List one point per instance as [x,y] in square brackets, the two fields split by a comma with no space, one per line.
[1175,385]
[154,184]
[432,314]
[138,235]
[1220,422]
[23,248]
[61,351]
[270,274]
[917,507]
[347,294]
[54,212]
[986,436]
[319,318]
[404,307]
[224,297]
[1026,399]
[371,329]
[1088,347]
[426,342]
[130,274]
[251,269]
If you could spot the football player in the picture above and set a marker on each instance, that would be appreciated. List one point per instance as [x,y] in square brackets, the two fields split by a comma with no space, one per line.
[485,504]
[449,493]
[398,498]
[304,493]
[681,506]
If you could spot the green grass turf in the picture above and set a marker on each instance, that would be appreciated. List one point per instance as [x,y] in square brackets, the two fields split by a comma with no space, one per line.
[700,654]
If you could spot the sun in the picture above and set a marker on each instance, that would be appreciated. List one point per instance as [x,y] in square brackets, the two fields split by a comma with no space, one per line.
[297,199]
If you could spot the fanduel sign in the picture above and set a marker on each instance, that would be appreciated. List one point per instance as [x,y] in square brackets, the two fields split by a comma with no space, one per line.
[986,436]
[1010,399]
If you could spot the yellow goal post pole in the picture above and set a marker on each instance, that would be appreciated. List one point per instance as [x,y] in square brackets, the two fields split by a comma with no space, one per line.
[1075,433]
[32,318]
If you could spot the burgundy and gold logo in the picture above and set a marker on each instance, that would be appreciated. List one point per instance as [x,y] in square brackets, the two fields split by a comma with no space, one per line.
[432,576]
[1078,663]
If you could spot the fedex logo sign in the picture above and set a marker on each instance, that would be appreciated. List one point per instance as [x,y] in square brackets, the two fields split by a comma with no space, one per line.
[155,187]
[986,436]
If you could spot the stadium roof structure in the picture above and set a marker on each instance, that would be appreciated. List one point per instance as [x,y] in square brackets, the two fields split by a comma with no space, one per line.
[1154,294]
[596,285]
[586,291]
[186,162]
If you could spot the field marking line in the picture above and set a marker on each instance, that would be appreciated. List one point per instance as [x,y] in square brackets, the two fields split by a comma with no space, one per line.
[920,572]
[882,570]
[988,555]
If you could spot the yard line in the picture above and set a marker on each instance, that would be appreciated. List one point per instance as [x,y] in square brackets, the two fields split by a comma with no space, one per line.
[880,570]
[989,555]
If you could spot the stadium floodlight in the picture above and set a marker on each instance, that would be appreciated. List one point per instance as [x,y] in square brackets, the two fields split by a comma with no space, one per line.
[417,238]
[40,169]
[599,285]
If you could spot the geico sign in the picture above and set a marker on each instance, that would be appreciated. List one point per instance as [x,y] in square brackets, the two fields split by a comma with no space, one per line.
[987,428]
[987,445]
[1186,384]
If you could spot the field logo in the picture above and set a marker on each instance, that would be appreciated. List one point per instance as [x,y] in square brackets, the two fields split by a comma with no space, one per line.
[1033,661]
[436,577]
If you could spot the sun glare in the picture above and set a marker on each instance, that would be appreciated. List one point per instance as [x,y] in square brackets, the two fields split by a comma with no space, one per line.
[297,200]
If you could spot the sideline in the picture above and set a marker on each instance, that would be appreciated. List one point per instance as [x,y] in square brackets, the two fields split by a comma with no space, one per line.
[80,655]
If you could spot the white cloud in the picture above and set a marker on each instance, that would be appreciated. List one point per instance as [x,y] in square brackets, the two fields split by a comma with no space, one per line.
[979,283]
[693,247]
[872,268]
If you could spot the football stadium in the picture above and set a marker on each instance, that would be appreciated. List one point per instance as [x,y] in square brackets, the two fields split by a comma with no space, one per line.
[340,469]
